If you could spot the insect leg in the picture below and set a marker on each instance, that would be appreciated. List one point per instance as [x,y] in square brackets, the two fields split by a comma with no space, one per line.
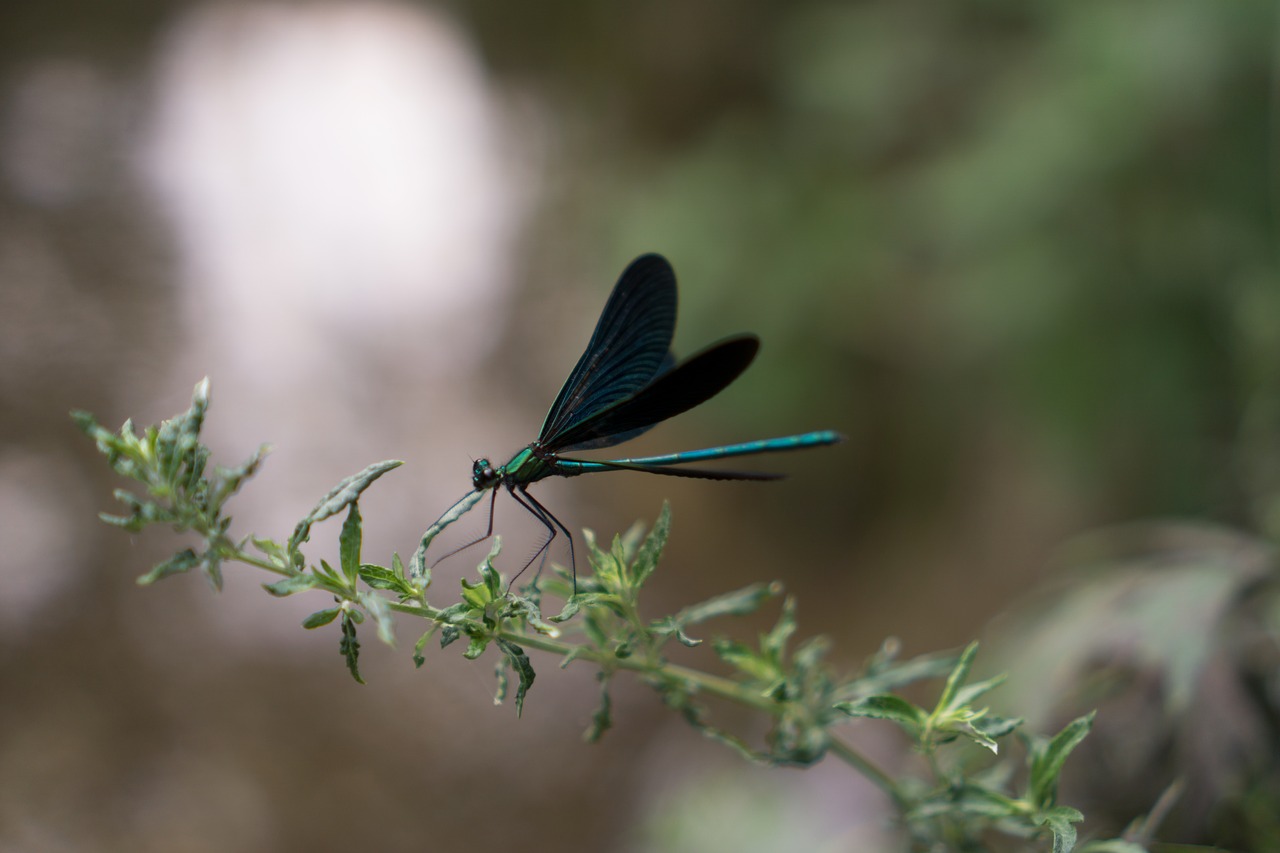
[489,532]
[546,514]
[539,512]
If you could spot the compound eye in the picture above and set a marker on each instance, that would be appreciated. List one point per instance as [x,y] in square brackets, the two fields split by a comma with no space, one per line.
[482,474]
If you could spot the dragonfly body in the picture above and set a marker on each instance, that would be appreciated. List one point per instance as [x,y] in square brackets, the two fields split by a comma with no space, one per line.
[626,382]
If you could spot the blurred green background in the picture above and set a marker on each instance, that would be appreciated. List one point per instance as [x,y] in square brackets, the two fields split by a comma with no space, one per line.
[1021,253]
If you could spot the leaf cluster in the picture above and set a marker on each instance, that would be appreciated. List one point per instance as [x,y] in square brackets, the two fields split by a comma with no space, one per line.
[956,803]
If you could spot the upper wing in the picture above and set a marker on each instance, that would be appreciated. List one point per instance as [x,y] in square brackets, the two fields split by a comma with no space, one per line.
[631,345]
[688,384]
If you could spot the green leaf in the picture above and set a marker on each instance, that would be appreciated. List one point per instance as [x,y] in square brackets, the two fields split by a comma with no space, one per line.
[183,561]
[975,799]
[774,644]
[277,552]
[1059,821]
[526,609]
[418,658]
[338,499]
[211,566]
[290,585]
[418,569]
[886,707]
[602,719]
[808,657]
[349,646]
[519,662]
[1112,845]
[326,572]
[687,641]
[740,602]
[970,692]
[1047,762]
[230,479]
[604,568]
[476,595]
[650,551]
[349,545]
[479,642]
[492,579]
[379,577]
[745,659]
[997,727]
[500,673]
[960,672]
[377,608]
[321,617]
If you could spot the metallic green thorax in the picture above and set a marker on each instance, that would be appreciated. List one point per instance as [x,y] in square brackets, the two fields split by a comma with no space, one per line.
[527,466]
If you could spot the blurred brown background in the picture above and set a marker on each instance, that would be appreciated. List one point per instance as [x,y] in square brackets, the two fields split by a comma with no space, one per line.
[1021,254]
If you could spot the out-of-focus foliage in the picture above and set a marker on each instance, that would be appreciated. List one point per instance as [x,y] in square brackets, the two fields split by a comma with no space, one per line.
[1054,214]
[1172,632]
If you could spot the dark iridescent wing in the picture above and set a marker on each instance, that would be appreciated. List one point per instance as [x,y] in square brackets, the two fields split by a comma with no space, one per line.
[630,346]
[688,384]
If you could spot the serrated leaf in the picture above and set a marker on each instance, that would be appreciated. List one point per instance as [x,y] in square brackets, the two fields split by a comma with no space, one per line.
[1059,820]
[602,719]
[603,567]
[379,577]
[740,602]
[886,707]
[418,570]
[321,617]
[970,692]
[742,657]
[500,673]
[1047,763]
[448,634]
[687,641]
[290,585]
[183,561]
[339,498]
[325,571]
[956,679]
[979,738]
[885,674]
[475,648]
[211,566]
[808,656]
[349,545]
[774,644]
[519,662]
[526,609]
[476,595]
[492,580]
[418,647]
[349,646]
[571,608]
[650,551]
[973,799]
[272,549]
[997,727]
[230,479]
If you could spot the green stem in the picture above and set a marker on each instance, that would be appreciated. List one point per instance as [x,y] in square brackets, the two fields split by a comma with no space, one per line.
[701,682]
[878,777]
